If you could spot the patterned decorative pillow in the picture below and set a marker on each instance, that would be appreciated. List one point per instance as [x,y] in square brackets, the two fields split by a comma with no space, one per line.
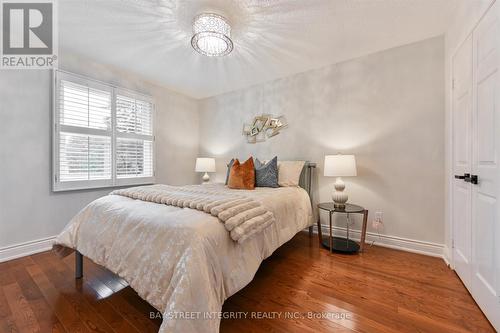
[242,176]
[266,174]
[229,165]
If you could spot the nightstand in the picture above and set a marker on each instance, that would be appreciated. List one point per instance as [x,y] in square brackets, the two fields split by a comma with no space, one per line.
[340,244]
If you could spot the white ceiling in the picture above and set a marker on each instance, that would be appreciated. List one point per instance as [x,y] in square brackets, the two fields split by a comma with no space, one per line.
[272,38]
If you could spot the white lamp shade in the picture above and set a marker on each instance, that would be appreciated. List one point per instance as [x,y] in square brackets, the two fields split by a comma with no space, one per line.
[340,166]
[205,164]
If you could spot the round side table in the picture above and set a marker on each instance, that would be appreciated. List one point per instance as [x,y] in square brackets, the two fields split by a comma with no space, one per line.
[341,244]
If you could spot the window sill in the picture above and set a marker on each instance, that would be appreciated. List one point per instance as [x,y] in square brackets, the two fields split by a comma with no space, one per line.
[78,186]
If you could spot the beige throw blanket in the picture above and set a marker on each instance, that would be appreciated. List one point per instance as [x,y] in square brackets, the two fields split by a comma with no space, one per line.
[243,217]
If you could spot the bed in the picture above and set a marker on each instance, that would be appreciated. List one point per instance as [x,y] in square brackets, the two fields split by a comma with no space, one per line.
[181,260]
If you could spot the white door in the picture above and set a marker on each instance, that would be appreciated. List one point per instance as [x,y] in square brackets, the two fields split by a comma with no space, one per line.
[485,276]
[462,159]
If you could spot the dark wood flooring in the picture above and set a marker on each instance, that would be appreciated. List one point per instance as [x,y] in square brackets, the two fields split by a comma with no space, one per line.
[301,288]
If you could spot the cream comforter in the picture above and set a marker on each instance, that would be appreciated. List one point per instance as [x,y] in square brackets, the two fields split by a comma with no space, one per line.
[179,259]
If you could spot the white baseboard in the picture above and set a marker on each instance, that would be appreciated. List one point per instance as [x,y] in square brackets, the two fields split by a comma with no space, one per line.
[25,249]
[393,242]
[447,256]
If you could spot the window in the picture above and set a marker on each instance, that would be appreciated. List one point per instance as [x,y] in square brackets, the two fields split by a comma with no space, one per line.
[103,136]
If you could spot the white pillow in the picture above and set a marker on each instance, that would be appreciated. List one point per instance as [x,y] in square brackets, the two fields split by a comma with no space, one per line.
[289,172]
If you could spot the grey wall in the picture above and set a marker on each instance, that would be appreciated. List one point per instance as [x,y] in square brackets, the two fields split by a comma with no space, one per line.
[386,108]
[28,209]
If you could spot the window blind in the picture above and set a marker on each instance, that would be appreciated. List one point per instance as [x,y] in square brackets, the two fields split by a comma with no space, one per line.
[134,158]
[133,116]
[134,143]
[85,137]
[84,157]
[84,107]
[103,135]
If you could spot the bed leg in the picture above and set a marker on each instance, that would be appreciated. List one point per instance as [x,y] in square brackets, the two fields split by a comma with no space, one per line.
[310,231]
[78,265]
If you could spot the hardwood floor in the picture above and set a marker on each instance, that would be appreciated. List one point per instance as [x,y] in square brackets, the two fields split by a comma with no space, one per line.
[381,290]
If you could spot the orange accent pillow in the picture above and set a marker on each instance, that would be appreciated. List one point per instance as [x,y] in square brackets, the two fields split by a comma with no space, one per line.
[242,176]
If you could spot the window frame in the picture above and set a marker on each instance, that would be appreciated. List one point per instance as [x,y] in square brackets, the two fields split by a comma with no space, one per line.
[57,127]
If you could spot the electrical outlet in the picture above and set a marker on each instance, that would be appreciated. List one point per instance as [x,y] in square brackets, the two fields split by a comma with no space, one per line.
[378,221]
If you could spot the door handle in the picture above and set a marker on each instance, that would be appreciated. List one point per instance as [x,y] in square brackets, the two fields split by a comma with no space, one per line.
[474,179]
[466,177]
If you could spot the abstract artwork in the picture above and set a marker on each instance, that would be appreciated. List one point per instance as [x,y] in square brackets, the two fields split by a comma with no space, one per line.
[264,127]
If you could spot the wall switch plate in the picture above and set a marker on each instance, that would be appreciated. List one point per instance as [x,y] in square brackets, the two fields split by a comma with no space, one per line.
[377,223]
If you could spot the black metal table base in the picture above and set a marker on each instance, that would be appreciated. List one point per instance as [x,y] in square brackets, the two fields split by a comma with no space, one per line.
[341,244]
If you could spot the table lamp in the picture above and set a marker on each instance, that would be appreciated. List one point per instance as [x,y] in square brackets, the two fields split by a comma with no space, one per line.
[206,165]
[340,166]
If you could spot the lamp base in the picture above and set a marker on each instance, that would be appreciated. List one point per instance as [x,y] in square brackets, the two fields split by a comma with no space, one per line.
[339,205]
[339,197]
[206,178]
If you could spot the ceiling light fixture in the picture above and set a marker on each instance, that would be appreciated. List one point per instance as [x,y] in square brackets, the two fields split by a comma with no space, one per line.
[212,35]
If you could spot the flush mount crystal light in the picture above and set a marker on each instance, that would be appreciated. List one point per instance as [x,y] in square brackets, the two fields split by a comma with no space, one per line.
[212,35]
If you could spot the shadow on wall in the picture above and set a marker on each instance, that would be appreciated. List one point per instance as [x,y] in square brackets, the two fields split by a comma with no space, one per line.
[389,178]
[385,108]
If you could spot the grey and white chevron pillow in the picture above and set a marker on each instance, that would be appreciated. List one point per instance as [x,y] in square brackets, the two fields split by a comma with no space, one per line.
[266,175]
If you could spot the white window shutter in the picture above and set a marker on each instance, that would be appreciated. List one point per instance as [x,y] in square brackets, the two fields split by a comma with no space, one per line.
[134,158]
[134,143]
[83,106]
[99,142]
[84,157]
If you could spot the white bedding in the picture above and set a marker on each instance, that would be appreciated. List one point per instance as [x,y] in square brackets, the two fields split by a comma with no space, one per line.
[243,217]
[180,259]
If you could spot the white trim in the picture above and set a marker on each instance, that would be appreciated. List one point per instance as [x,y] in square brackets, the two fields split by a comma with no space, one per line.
[133,136]
[393,242]
[84,130]
[113,134]
[82,185]
[127,181]
[447,257]
[25,249]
